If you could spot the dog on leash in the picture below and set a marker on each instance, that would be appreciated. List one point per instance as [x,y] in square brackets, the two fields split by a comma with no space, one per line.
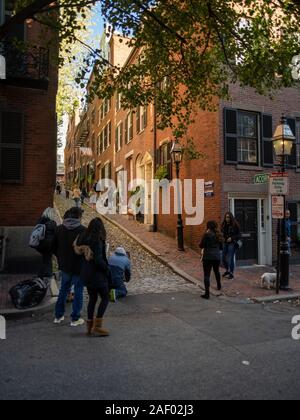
[268,281]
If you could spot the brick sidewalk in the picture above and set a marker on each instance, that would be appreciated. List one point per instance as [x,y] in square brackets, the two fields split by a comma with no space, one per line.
[246,285]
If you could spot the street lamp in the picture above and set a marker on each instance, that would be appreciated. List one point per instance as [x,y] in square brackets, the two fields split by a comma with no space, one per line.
[177,154]
[283,142]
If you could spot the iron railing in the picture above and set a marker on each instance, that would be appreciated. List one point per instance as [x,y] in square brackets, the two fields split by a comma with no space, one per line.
[27,64]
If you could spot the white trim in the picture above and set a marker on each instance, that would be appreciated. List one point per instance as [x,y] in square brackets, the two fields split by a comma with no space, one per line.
[165,141]
[129,155]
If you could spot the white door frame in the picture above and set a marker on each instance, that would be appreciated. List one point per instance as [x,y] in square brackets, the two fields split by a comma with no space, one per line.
[265,235]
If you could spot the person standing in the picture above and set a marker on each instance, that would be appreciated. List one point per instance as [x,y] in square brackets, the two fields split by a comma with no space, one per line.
[77,196]
[211,245]
[45,247]
[70,266]
[231,235]
[95,274]
[120,267]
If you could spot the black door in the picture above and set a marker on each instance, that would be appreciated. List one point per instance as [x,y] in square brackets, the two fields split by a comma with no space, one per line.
[246,214]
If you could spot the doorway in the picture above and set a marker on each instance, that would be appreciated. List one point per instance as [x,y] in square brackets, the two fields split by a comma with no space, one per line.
[246,213]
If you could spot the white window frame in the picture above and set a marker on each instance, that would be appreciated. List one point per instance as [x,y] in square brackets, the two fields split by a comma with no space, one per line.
[119,133]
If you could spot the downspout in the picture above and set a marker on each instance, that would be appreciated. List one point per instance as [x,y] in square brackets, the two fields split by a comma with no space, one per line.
[155,216]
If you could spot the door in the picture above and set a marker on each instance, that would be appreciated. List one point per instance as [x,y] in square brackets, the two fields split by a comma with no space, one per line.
[246,213]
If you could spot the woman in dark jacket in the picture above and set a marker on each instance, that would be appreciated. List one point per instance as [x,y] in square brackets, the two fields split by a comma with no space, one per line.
[231,234]
[95,273]
[45,248]
[211,244]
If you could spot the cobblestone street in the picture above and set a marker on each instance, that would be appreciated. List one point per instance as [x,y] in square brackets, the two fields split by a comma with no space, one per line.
[149,275]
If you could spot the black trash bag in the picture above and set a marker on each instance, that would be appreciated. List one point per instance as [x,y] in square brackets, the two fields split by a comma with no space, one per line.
[29,293]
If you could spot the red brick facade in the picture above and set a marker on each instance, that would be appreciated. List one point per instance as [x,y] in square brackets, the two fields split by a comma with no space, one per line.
[231,182]
[23,202]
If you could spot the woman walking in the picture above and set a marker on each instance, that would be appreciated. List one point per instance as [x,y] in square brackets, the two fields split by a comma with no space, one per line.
[211,245]
[95,274]
[231,234]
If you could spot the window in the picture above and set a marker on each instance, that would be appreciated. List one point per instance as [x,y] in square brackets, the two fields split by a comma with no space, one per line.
[93,118]
[129,128]
[141,119]
[247,138]
[165,159]
[108,129]
[119,101]
[119,137]
[11,147]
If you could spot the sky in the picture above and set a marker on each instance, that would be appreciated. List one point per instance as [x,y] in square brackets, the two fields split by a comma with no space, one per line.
[96,34]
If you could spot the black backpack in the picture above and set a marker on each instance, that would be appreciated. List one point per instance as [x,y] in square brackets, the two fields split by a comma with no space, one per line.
[29,293]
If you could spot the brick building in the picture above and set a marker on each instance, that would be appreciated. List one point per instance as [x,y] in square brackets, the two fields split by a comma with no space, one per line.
[28,137]
[236,145]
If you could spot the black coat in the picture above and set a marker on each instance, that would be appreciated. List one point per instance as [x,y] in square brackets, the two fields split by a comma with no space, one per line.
[96,274]
[212,247]
[68,261]
[232,232]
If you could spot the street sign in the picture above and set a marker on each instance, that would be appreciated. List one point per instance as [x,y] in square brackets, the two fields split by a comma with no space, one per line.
[279,184]
[278,207]
[261,179]
[209,184]
[209,194]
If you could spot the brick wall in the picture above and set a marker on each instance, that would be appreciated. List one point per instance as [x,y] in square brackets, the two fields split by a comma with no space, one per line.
[22,204]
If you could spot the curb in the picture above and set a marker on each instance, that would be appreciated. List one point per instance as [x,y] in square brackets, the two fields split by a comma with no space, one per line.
[44,307]
[276,298]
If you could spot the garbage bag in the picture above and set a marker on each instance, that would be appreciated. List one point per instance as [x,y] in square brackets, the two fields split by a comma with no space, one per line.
[29,293]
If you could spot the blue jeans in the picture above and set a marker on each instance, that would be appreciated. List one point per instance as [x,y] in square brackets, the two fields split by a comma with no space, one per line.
[229,257]
[121,292]
[69,280]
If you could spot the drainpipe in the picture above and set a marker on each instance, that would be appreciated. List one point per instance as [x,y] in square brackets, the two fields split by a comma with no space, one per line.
[155,216]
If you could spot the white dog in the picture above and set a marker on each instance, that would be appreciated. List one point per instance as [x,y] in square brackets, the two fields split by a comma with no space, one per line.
[268,281]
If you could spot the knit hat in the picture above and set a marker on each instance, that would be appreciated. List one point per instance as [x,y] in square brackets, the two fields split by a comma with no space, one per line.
[120,251]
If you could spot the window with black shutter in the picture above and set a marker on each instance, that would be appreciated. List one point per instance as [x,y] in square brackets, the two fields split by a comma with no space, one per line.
[231,135]
[292,160]
[11,146]
[267,142]
[164,158]
[138,120]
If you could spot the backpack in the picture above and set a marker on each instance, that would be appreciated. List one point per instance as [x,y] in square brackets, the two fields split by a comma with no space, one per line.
[37,236]
[28,294]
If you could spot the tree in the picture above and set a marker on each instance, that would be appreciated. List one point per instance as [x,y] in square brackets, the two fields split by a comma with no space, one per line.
[190,52]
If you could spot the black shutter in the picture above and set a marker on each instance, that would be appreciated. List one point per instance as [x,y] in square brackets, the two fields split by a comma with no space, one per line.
[126,129]
[138,120]
[131,126]
[109,171]
[116,141]
[292,160]
[231,134]
[145,117]
[169,162]
[11,146]
[121,135]
[267,143]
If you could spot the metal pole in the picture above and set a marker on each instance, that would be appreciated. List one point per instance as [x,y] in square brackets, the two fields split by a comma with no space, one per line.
[180,222]
[284,252]
[278,256]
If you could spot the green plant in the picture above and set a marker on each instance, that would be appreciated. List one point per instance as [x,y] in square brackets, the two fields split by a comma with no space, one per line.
[191,152]
[162,173]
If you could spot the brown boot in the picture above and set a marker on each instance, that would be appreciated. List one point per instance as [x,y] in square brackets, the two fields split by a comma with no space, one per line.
[89,325]
[98,330]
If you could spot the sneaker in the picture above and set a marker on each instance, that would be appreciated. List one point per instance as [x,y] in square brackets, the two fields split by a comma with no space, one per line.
[231,277]
[58,321]
[78,323]
[112,296]
[226,274]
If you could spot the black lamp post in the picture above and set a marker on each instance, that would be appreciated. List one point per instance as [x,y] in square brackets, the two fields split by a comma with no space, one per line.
[177,154]
[283,142]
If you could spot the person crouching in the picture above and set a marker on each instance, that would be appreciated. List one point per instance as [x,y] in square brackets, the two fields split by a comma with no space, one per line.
[120,268]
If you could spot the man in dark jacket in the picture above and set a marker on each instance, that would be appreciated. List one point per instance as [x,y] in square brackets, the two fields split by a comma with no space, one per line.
[70,265]
[45,248]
